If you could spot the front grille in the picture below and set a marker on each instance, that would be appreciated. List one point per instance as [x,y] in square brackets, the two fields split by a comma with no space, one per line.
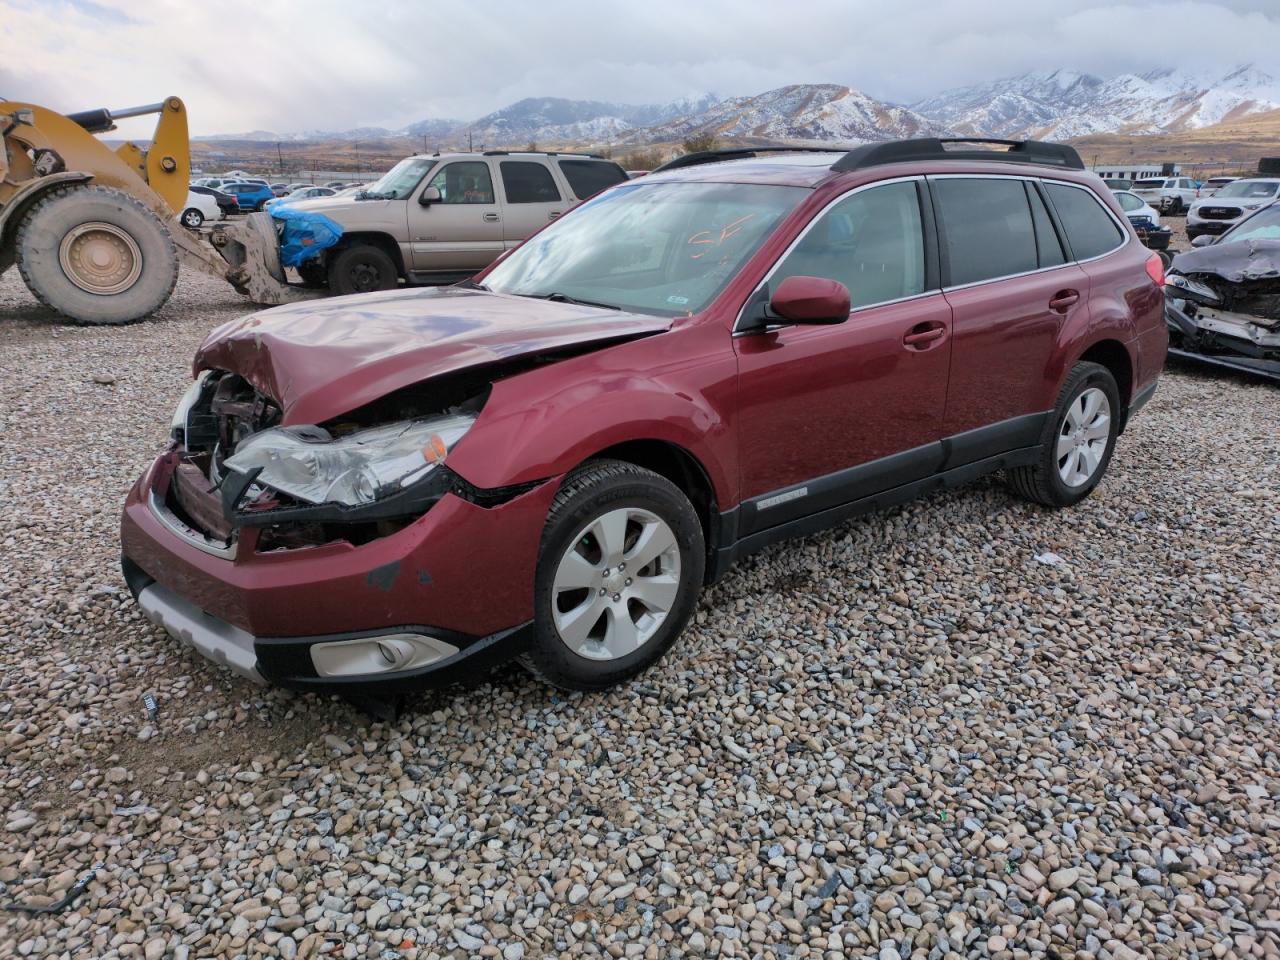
[1220,213]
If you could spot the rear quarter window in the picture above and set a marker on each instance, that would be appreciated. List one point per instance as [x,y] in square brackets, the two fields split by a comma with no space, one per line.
[1090,229]
[588,177]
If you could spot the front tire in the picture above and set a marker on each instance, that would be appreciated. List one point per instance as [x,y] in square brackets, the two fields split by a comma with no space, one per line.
[96,255]
[1078,440]
[619,571]
[362,269]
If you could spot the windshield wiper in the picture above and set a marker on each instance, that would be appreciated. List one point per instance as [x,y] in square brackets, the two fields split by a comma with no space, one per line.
[558,297]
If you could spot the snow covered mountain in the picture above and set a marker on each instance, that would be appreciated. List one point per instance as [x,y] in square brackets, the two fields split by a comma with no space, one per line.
[807,111]
[556,120]
[1061,104]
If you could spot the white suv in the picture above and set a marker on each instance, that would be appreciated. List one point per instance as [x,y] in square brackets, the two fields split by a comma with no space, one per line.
[445,217]
[1167,194]
[1217,214]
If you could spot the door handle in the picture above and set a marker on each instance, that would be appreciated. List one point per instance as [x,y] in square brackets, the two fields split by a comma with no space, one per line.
[553,214]
[1063,299]
[922,335]
[491,217]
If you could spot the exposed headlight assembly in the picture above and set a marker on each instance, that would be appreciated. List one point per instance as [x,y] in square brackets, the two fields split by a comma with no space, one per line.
[364,467]
[189,400]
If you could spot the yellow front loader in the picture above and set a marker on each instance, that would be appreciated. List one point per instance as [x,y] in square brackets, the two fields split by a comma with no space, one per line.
[94,231]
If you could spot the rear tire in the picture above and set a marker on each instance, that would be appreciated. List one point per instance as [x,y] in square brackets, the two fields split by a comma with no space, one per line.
[620,620]
[362,269]
[96,255]
[192,218]
[1071,444]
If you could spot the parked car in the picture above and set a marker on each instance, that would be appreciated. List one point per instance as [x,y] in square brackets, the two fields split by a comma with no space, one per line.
[1167,194]
[225,201]
[1145,220]
[1118,183]
[198,208]
[250,196]
[299,186]
[441,218]
[279,189]
[1230,204]
[306,193]
[336,184]
[1214,184]
[551,460]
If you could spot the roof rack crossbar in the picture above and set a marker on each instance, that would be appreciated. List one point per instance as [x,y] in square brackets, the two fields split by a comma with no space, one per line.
[541,153]
[735,153]
[933,148]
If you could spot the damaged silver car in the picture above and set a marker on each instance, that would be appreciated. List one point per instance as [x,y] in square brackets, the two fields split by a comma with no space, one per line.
[1222,299]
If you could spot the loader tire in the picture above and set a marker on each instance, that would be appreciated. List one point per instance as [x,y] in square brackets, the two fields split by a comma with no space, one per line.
[96,255]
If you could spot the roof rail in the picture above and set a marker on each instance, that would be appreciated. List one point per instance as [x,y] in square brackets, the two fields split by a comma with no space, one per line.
[542,153]
[934,148]
[734,153]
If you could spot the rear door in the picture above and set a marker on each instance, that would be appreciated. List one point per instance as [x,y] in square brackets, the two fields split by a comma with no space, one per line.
[1011,288]
[830,414]
[462,231]
[531,199]
[588,176]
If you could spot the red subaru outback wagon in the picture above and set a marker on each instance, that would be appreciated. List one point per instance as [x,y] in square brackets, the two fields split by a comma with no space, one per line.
[550,460]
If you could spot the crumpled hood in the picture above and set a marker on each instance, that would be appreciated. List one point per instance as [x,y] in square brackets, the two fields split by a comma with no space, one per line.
[1236,262]
[319,359]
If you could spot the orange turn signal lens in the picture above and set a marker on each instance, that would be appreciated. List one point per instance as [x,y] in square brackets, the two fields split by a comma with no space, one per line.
[435,450]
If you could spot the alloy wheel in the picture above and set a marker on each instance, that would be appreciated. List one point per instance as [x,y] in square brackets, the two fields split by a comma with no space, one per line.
[616,583]
[1083,436]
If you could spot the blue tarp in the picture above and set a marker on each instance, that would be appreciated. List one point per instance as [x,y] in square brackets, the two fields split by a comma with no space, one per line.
[304,234]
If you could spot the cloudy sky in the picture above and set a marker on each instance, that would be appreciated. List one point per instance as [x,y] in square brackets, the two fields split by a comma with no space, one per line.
[289,65]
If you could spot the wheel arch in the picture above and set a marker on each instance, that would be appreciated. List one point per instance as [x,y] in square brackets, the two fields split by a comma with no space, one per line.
[681,467]
[1113,355]
[22,200]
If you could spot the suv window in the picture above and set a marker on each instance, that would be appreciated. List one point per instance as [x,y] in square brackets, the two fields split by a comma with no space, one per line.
[872,242]
[987,230]
[1049,252]
[588,177]
[466,181]
[1129,202]
[1090,230]
[526,182]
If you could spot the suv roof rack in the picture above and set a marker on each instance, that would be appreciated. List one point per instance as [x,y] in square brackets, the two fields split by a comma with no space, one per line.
[543,153]
[934,148]
[734,153]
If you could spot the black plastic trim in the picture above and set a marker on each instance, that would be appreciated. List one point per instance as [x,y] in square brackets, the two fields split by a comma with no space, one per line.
[933,148]
[870,486]
[726,557]
[733,153]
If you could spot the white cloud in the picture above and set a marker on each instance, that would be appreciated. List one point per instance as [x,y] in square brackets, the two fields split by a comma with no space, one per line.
[329,64]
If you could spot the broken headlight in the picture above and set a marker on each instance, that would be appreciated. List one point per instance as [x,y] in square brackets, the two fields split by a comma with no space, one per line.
[189,400]
[311,465]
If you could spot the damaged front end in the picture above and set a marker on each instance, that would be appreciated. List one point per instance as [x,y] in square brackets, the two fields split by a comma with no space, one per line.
[1222,305]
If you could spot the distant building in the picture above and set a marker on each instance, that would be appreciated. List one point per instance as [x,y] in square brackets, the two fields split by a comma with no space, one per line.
[1137,171]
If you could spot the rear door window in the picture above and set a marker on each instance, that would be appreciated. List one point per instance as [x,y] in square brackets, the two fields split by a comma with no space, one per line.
[872,242]
[1091,231]
[589,177]
[987,228]
[1049,252]
[526,182]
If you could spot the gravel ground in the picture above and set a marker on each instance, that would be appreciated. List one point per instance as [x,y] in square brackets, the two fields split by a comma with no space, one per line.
[906,737]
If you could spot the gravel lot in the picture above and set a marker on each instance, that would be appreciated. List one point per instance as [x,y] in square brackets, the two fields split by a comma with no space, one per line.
[907,737]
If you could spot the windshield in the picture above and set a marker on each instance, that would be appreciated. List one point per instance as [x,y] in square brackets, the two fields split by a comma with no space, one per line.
[398,182]
[663,248]
[1247,189]
[1149,184]
[1263,225]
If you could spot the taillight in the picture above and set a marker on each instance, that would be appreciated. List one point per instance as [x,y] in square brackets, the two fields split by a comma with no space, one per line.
[1155,269]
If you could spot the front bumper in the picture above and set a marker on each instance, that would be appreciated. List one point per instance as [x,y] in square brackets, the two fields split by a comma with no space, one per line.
[1214,228]
[461,574]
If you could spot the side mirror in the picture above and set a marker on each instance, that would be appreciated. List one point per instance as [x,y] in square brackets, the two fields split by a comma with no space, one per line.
[814,300]
[429,196]
[1203,240]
